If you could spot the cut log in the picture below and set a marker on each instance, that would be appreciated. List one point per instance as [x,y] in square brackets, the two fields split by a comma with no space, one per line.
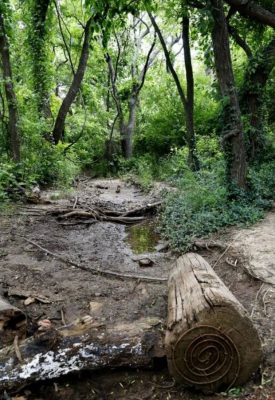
[12,323]
[211,344]
[84,345]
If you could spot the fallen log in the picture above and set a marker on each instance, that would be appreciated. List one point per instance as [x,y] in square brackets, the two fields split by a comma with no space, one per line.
[84,345]
[12,322]
[148,208]
[211,344]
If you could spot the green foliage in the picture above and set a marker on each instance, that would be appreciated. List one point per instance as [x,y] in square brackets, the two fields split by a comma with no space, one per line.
[8,182]
[140,171]
[262,182]
[200,206]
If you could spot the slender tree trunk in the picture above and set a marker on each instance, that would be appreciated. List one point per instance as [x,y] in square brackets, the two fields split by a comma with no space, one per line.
[38,43]
[233,138]
[13,131]
[189,106]
[75,86]
[252,99]
[129,128]
[187,101]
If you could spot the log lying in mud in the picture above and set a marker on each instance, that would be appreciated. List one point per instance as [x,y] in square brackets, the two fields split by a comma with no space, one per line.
[12,322]
[102,214]
[210,341]
[81,346]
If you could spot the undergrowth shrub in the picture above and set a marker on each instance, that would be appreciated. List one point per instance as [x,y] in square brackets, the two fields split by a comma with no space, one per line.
[200,205]
[140,171]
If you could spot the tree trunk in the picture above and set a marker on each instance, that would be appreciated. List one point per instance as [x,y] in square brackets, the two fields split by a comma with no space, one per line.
[187,101]
[59,126]
[82,346]
[129,129]
[252,98]
[12,323]
[13,131]
[211,344]
[189,106]
[38,44]
[233,138]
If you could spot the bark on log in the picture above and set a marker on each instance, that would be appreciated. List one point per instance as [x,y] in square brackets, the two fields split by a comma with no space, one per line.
[81,346]
[210,341]
[12,323]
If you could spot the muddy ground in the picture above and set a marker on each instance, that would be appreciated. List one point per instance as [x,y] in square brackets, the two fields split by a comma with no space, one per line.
[105,245]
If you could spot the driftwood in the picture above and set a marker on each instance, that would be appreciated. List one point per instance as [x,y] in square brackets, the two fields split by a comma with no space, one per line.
[12,322]
[211,343]
[81,346]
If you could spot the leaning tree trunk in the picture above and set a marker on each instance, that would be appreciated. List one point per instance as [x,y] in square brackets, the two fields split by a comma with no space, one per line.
[12,323]
[253,10]
[252,99]
[13,131]
[211,343]
[187,101]
[75,86]
[233,137]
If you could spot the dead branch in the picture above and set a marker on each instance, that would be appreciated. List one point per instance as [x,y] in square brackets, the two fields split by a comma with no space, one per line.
[96,271]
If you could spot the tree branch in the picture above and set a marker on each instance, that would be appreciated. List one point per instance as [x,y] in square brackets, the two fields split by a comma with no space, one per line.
[252,10]
[148,63]
[168,58]
[235,35]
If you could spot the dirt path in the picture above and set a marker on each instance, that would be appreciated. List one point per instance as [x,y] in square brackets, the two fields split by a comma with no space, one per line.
[104,245]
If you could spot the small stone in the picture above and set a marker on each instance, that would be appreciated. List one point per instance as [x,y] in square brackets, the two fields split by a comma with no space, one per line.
[29,301]
[145,262]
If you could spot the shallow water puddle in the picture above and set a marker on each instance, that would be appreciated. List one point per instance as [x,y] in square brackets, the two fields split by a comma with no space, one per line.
[143,237]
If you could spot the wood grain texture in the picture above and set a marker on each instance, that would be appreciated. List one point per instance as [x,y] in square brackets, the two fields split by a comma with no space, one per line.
[211,344]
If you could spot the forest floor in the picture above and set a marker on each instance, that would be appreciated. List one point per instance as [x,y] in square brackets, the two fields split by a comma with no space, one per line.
[247,267]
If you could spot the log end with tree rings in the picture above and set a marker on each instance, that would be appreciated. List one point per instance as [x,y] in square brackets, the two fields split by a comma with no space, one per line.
[211,344]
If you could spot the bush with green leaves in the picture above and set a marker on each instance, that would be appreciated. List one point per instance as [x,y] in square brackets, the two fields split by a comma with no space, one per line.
[200,206]
[140,171]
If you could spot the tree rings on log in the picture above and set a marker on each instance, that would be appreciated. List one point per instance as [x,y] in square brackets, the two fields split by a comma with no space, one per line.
[12,323]
[211,344]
